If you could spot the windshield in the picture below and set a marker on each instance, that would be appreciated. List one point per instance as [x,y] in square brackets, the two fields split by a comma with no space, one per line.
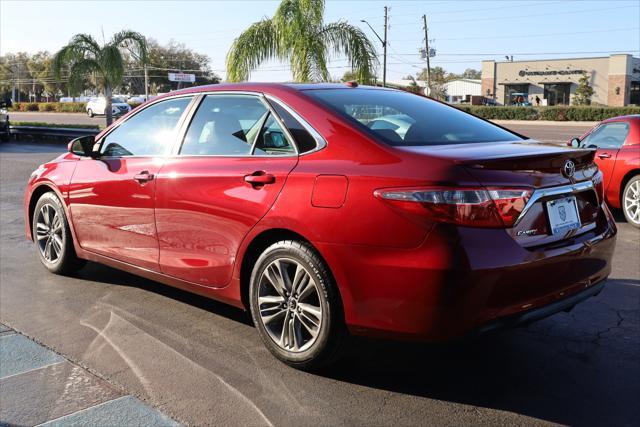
[404,119]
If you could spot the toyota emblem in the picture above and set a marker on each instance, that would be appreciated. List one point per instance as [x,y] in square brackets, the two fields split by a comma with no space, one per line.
[569,169]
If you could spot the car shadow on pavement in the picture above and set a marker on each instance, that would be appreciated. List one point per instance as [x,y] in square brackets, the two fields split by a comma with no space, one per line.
[571,368]
[99,273]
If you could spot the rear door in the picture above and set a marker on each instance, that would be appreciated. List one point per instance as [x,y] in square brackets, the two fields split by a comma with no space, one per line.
[112,198]
[230,168]
[607,140]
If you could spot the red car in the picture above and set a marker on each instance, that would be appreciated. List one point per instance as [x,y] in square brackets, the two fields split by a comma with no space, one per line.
[282,200]
[617,144]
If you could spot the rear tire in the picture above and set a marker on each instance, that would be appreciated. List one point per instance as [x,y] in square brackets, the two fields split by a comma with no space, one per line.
[291,286]
[52,236]
[90,113]
[631,201]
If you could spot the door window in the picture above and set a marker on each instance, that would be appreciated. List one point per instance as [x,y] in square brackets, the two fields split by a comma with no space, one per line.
[235,125]
[151,132]
[611,135]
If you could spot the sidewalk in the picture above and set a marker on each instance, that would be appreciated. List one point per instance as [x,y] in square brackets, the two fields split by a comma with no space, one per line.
[40,387]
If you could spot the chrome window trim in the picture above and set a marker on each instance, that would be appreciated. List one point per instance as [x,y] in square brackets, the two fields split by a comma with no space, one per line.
[554,191]
[320,141]
[175,153]
[184,115]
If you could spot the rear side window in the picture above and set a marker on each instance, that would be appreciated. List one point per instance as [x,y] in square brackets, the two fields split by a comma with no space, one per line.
[609,135]
[304,140]
[234,125]
[151,132]
[404,119]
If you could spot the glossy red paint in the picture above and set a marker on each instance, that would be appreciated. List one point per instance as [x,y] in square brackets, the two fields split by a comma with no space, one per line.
[618,165]
[398,275]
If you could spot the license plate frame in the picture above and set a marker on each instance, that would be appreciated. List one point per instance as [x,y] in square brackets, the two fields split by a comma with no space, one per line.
[563,215]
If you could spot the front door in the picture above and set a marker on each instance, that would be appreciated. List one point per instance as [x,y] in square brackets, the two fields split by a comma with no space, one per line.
[607,140]
[230,168]
[112,198]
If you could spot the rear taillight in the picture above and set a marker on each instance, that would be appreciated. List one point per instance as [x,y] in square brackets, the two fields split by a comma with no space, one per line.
[472,207]
[599,186]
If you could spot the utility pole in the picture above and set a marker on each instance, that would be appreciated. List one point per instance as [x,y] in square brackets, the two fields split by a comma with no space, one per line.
[146,83]
[384,45]
[18,82]
[426,43]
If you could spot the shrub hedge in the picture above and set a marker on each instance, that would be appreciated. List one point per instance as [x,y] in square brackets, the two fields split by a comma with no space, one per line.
[58,107]
[555,113]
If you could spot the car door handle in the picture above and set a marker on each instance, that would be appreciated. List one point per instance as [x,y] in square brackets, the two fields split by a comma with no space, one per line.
[260,178]
[604,155]
[143,177]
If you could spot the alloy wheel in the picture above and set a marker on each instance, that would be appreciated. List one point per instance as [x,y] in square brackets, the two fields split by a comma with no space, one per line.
[632,202]
[289,305]
[49,233]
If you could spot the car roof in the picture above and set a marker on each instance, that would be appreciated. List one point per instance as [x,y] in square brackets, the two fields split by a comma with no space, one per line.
[268,87]
[622,118]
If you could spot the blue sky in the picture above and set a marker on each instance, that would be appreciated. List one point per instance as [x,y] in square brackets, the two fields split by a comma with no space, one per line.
[464,32]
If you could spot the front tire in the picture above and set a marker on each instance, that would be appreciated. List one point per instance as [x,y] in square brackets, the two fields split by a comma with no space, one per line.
[90,113]
[295,306]
[631,201]
[52,236]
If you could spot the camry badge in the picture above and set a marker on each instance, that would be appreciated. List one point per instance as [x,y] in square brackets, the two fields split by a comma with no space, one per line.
[569,169]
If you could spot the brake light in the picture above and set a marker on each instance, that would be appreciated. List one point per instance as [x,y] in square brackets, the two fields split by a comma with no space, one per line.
[598,183]
[472,207]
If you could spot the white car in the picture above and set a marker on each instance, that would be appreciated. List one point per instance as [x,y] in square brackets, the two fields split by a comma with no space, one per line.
[96,106]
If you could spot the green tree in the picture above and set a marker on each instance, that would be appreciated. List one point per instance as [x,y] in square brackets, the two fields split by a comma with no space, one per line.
[297,34]
[438,78]
[584,91]
[84,56]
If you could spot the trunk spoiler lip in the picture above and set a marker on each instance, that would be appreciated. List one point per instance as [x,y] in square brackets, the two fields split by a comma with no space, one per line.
[434,149]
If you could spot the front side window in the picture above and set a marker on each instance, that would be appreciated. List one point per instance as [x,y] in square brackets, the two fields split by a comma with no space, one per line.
[234,125]
[404,119]
[610,135]
[151,132]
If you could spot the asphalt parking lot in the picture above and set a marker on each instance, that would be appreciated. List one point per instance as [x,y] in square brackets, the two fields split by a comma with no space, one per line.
[202,362]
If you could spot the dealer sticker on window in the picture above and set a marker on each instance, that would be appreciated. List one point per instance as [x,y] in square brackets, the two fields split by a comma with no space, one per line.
[563,215]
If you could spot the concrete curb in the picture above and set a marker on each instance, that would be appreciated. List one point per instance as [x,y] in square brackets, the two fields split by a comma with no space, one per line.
[544,123]
[40,387]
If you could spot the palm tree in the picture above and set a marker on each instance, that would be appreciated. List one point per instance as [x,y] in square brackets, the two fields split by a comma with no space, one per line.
[84,56]
[298,35]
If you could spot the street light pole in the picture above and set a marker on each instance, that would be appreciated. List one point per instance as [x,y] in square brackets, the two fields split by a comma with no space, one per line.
[384,44]
[146,83]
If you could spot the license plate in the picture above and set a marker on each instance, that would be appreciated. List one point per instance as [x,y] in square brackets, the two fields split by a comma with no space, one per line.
[563,215]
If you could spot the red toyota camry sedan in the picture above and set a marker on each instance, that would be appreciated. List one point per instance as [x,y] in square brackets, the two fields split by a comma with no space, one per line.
[617,145]
[304,205]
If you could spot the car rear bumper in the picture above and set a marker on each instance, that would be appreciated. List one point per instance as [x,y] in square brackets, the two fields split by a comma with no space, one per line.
[465,279]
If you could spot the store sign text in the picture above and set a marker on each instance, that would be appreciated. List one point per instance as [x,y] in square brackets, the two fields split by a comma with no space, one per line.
[523,73]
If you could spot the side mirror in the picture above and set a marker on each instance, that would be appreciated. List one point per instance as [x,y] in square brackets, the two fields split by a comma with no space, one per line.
[575,143]
[83,146]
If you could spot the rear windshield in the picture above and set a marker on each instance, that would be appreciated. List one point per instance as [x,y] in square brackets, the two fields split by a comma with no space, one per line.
[404,119]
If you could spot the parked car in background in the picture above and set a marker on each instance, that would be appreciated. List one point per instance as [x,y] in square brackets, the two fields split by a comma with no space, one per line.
[617,144]
[96,106]
[4,120]
[280,199]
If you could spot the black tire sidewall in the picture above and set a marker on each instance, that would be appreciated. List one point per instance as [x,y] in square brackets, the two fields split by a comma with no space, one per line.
[624,192]
[64,262]
[324,347]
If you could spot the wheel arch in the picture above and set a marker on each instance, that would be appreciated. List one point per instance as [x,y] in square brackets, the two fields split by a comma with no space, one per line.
[623,183]
[35,196]
[262,241]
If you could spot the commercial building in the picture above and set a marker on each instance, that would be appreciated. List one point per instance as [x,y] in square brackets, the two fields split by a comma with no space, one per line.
[615,80]
[462,90]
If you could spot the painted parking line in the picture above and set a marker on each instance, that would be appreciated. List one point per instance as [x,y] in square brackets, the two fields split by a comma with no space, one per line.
[18,354]
[124,411]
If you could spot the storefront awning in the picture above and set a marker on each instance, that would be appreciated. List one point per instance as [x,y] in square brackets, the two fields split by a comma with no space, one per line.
[515,83]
